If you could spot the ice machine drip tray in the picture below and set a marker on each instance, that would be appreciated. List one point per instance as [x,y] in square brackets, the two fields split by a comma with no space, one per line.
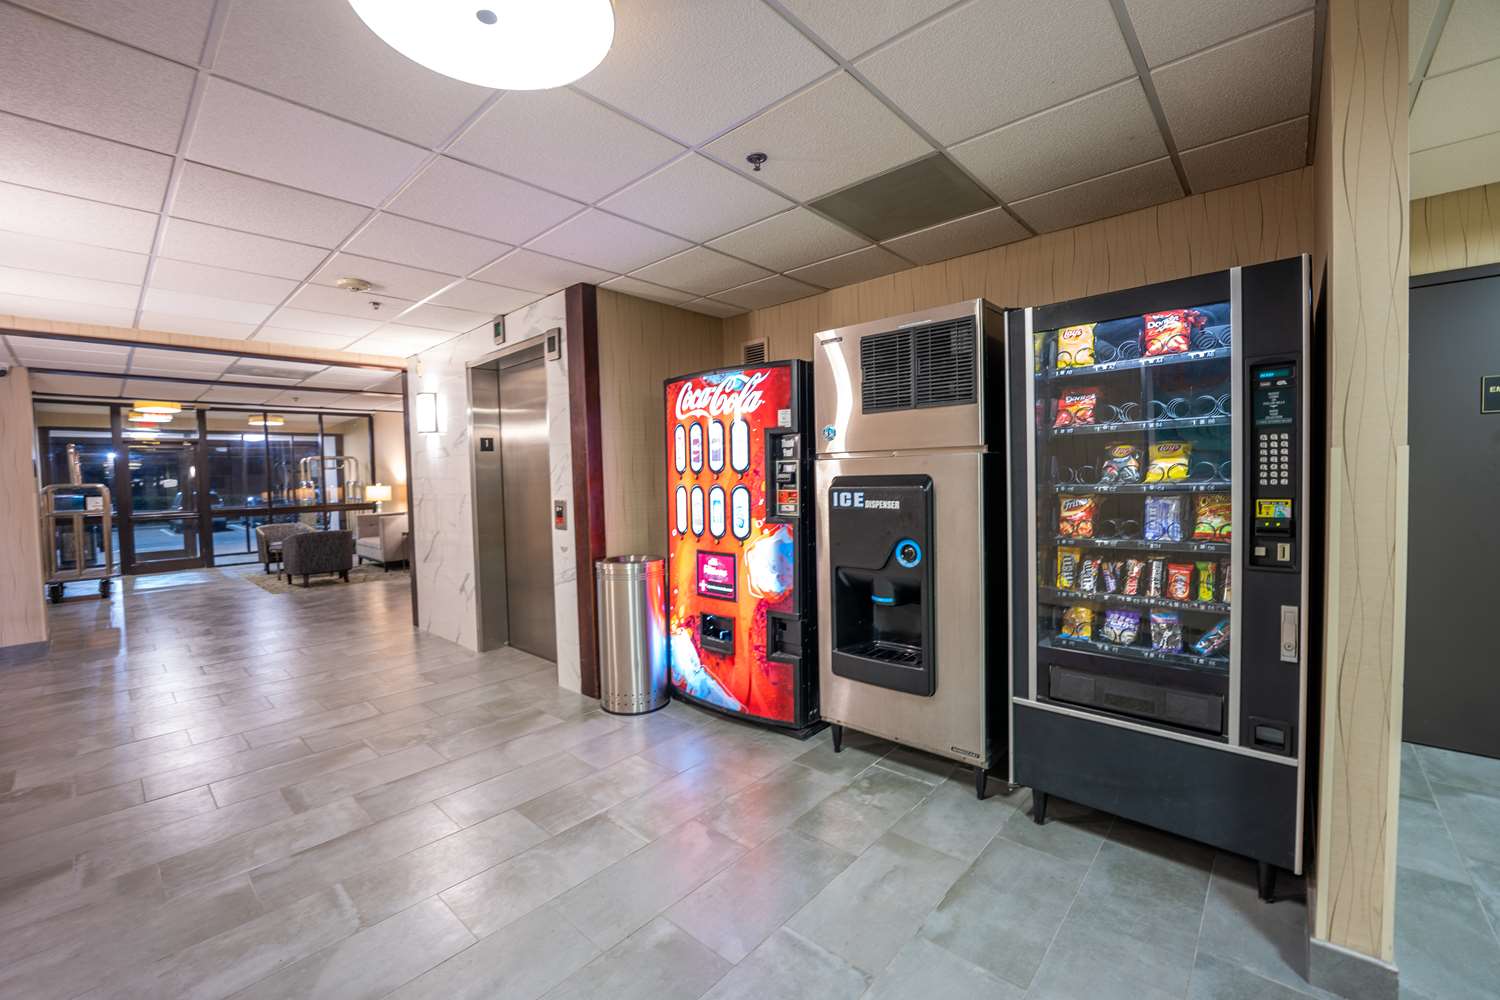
[1174,707]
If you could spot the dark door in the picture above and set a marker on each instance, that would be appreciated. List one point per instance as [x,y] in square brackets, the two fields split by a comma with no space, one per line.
[1452,686]
[164,525]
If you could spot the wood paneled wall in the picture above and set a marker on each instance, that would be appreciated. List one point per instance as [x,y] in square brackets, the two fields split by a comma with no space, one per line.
[641,344]
[1459,229]
[23,616]
[1246,224]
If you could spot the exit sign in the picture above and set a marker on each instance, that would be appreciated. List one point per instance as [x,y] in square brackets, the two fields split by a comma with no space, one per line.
[1489,394]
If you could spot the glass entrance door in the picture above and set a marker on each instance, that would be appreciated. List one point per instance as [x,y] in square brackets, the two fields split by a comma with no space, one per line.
[164,520]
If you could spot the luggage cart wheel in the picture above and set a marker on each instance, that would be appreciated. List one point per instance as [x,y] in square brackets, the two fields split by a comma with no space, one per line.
[105,586]
[54,593]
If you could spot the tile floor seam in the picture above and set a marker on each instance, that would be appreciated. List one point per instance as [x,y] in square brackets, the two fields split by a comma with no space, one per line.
[1052,941]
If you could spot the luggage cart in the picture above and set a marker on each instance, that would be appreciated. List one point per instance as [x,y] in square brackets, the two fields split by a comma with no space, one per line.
[69,538]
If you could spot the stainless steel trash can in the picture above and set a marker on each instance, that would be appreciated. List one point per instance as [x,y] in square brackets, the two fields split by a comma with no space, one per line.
[631,592]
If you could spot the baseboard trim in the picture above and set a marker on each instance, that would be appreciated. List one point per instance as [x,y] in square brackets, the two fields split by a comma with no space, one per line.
[24,652]
[1348,973]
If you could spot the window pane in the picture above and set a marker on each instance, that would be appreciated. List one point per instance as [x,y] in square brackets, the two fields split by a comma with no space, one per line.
[236,461]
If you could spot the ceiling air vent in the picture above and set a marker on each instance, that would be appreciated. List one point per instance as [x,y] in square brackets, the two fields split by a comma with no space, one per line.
[753,353]
[931,365]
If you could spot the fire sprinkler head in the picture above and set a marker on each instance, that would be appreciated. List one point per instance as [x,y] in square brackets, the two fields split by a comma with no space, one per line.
[755,160]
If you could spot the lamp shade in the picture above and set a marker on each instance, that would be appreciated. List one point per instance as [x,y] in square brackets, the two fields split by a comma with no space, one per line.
[378,492]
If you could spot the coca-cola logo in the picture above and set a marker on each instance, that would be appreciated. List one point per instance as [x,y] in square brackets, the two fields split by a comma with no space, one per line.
[734,395]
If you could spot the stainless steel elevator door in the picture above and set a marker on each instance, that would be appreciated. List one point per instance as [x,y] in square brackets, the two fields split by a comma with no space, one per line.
[528,514]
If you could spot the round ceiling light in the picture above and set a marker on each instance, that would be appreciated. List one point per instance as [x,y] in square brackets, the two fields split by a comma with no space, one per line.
[503,44]
[156,406]
[269,420]
[147,417]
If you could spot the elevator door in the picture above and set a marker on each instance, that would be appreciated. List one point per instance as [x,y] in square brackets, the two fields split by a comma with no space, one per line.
[528,516]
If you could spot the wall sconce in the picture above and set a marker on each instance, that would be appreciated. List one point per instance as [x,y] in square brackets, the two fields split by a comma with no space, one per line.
[426,413]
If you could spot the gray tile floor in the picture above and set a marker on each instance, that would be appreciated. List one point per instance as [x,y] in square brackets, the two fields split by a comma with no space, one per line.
[207,790]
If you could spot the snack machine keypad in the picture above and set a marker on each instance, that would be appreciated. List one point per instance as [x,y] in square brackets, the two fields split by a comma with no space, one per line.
[1275,463]
[1276,493]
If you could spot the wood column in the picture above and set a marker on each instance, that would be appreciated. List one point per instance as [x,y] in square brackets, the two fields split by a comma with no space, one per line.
[588,470]
[23,615]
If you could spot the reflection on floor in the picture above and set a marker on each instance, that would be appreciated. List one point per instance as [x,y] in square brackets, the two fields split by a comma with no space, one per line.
[208,789]
[1448,875]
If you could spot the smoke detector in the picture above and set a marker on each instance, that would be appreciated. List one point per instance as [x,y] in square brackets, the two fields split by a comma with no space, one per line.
[349,284]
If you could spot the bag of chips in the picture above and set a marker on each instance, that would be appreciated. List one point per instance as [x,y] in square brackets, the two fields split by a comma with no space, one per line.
[1111,574]
[1075,346]
[1166,631]
[1122,464]
[1171,332]
[1213,517]
[1169,461]
[1180,581]
[1088,576]
[1207,580]
[1134,569]
[1156,578]
[1164,519]
[1067,567]
[1076,408]
[1078,622]
[1077,519]
[1213,640]
[1227,591]
[1120,627]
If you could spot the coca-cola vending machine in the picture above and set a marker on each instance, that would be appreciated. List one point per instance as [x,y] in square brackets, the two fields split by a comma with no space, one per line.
[740,601]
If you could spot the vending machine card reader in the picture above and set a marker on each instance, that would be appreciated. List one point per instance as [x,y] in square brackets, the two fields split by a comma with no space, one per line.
[1274,489]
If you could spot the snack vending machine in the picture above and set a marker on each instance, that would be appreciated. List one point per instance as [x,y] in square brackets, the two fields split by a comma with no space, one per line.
[1164,515]
[739,543]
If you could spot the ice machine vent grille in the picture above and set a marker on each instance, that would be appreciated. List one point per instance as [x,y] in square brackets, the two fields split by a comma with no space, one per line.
[930,365]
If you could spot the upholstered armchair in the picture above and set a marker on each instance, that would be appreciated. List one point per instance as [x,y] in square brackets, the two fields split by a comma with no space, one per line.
[380,538]
[310,552]
[269,538]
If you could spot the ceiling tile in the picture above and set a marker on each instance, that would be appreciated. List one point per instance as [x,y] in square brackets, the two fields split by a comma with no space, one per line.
[322,55]
[854,27]
[201,326]
[90,291]
[553,138]
[482,297]
[695,69]
[827,137]
[1456,167]
[57,216]
[55,159]
[201,279]
[71,78]
[248,367]
[476,201]
[970,234]
[1456,106]
[387,278]
[172,28]
[247,132]
[1471,35]
[195,363]
[1103,132]
[76,385]
[1245,157]
[229,394]
[166,300]
[850,268]
[235,201]
[985,64]
[183,239]
[41,352]
[1171,29]
[325,298]
[646,290]
[444,318]
[701,271]
[1420,17]
[325,323]
[1258,79]
[711,308]
[696,198]
[307,338]
[1113,194]
[772,291]
[399,341]
[304,397]
[537,272]
[142,388]
[346,378]
[602,240]
[421,244]
[77,259]
[789,240]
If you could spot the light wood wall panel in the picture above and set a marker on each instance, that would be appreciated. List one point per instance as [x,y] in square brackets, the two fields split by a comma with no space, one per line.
[1454,230]
[1246,224]
[641,344]
[23,616]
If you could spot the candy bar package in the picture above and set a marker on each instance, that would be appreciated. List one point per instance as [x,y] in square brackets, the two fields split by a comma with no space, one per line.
[1122,464]
[1067,567]
[1166,631]
[1088,576]
[1075,346]
[1164,519]
[1120,626]
[1156,577]
[1213,517]
[1213,640]
[1169,461]
[1226,592]
[1076,408]
[1207,579]
[1180,581]
[1078,622]
[1171,332]
[1134,568]
[1110,575]
[1077,519]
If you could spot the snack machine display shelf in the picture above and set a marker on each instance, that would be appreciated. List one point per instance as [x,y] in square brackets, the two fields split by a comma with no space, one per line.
[1215,663]
[1136,601]
[1136,363]
[1138,426]
[1187,545]
[1175,486]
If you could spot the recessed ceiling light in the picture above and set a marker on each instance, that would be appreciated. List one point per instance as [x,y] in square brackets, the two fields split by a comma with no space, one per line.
[504,44]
